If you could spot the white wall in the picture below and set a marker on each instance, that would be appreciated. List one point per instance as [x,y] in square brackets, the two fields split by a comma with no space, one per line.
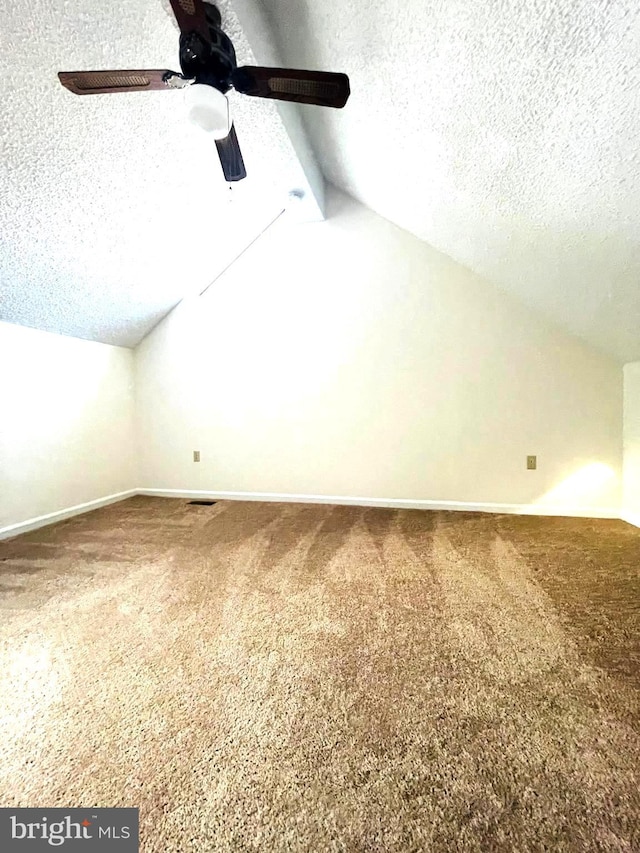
[66,423]
[347,358]
[631,491]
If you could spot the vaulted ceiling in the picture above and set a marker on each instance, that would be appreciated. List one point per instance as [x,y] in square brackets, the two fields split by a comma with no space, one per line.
[505,133]
[114,207]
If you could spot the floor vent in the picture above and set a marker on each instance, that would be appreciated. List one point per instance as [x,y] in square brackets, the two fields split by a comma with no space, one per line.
[201,503]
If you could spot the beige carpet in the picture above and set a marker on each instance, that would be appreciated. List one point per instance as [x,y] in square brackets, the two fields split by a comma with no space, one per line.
[282,677]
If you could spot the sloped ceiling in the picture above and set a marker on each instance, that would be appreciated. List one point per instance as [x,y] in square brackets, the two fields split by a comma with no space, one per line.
[113,207]
[506,133]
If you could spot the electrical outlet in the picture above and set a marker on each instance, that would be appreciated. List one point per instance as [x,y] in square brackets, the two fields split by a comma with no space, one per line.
[196,455]
[532,463]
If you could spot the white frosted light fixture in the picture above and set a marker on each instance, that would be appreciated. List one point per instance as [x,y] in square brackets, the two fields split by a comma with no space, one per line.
[208,109]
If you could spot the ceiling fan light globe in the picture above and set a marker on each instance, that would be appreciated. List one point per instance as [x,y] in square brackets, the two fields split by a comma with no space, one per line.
[208,109]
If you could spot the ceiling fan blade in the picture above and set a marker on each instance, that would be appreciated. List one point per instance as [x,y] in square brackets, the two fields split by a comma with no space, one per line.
[231,157]
[99,82]
[190,15]
[323,88]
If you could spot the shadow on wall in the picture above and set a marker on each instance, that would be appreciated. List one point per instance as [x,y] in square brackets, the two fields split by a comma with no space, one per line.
[534,264]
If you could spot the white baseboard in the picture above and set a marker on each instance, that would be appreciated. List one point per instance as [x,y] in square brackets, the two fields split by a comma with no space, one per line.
[631,518]
[60,515]
[392,503]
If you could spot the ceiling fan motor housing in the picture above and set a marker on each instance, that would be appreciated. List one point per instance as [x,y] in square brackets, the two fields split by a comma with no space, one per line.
[210,63]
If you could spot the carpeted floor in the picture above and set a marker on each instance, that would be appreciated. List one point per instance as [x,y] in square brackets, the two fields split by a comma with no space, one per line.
[283,677]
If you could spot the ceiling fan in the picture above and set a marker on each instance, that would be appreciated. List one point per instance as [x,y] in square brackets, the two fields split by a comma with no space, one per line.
[209,70]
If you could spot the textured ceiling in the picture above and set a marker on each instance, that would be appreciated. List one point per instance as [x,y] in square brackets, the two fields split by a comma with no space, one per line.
[113,207]
[506,133]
